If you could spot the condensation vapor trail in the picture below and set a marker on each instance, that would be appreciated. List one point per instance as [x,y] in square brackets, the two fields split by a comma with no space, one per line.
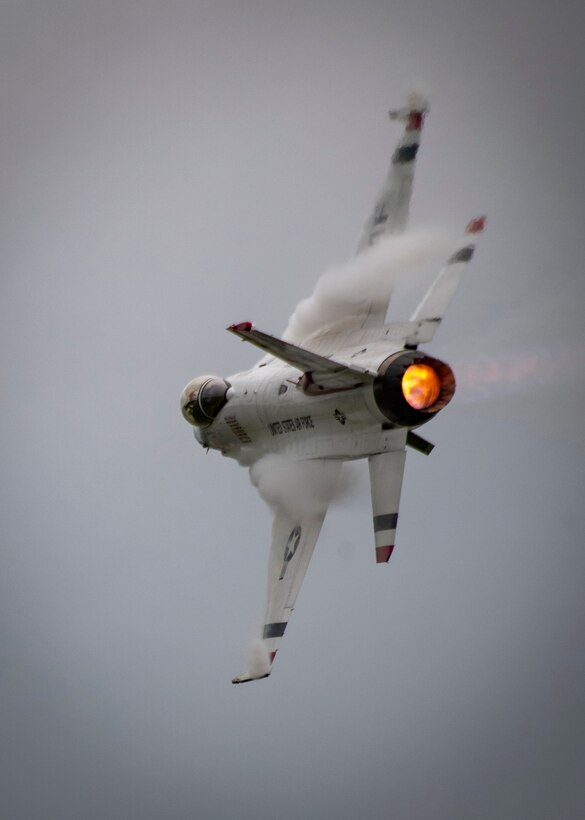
[342,291]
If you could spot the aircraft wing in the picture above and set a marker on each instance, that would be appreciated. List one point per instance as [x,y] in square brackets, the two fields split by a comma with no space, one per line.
[390,213]
[293,542]
[323,372]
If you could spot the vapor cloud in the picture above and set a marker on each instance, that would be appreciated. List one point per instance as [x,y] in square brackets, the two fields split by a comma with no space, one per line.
[297,487]
[345,291]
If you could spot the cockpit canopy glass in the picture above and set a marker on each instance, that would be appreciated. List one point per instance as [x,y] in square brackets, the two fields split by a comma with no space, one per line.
[203,398]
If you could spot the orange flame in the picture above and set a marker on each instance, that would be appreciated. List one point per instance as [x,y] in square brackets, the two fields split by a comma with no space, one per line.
[420,386]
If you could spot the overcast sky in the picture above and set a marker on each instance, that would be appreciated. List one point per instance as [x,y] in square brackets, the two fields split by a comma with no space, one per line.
[169,168]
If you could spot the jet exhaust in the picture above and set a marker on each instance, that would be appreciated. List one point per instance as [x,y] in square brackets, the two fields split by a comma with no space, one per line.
[420,386]
[411,387]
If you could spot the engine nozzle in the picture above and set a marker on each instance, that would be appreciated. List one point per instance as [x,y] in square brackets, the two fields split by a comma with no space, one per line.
[411,387]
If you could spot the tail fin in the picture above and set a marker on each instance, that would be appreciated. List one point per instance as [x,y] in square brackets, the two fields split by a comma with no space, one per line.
[431,309]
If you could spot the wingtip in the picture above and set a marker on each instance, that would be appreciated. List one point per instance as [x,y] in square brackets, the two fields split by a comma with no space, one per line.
[477,225]
[383,554]
[417,97]
[240,327]
[260,661]
[247,677]
[414,110]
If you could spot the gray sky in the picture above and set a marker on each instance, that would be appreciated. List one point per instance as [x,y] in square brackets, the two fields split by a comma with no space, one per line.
[170,168]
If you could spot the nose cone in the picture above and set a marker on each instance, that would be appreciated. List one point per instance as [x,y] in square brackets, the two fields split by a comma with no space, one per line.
[203,398]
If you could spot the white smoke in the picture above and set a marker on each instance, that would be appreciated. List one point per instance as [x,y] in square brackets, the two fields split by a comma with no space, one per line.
[348,290]
[258,659]
[297,488]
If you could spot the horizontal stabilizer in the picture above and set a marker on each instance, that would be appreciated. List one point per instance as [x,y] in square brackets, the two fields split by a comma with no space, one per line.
[323,371]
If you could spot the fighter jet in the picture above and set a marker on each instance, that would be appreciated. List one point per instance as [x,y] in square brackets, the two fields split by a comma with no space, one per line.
[356,388]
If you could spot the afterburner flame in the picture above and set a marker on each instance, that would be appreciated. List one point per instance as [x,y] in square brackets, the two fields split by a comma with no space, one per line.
[420,386]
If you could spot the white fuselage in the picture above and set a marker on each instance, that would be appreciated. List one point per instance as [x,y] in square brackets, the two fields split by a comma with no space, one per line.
[268,412]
